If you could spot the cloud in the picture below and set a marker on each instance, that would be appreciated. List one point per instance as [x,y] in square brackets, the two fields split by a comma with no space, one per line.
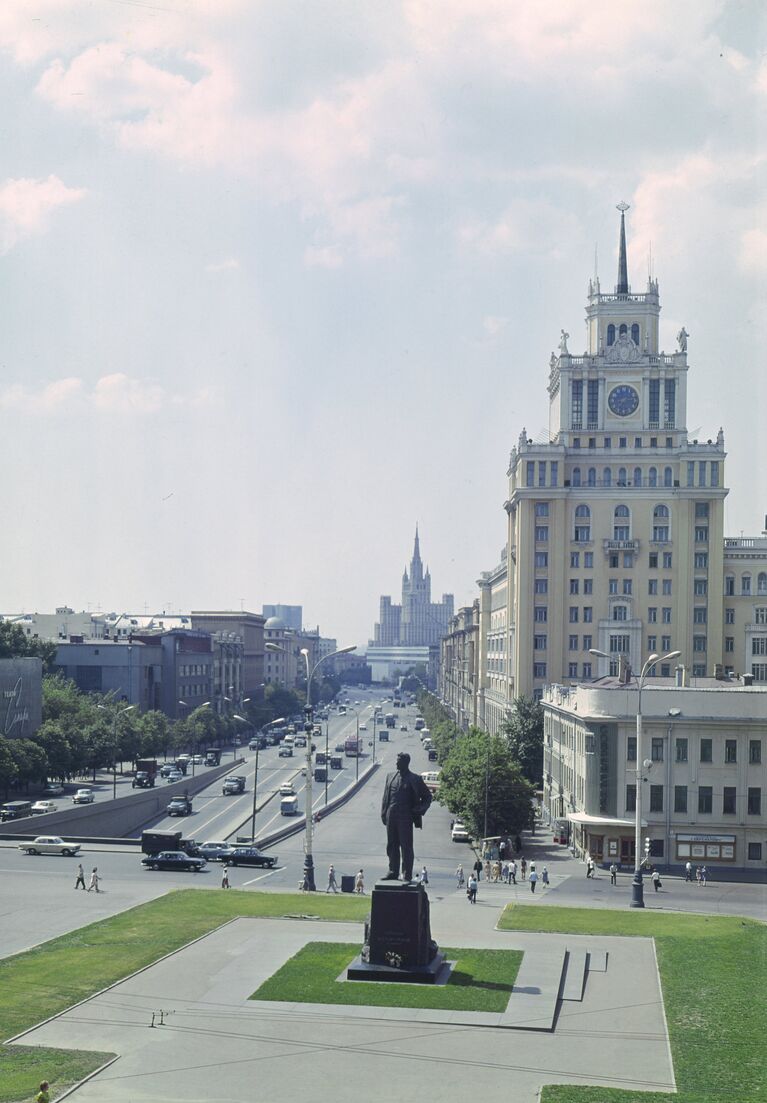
[120,392]
[753,250]
[533,227]
[227,265]
[26,206]
[493,324]
[114,393]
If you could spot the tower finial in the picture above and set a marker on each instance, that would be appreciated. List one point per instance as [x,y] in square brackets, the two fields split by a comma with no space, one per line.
[623,275]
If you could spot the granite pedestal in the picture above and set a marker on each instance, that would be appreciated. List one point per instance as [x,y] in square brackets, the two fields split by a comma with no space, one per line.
[398,944]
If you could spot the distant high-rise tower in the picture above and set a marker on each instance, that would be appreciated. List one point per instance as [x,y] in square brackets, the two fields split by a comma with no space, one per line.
[418,621]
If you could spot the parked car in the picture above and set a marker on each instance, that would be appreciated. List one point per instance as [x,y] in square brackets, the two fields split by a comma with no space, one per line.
[179,806]
[234,784]
[53,789]
[212,850]
[84,796]
[40,807]
[173,775]
[248,856]
[49,844]
[173,859]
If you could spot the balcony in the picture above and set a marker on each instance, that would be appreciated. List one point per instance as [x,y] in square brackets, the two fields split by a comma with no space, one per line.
[620,545]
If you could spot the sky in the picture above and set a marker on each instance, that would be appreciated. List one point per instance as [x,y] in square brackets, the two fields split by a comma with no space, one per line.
[280,280]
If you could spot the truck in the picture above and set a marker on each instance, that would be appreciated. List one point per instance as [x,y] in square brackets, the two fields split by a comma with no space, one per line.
[146,773]
[234,784]
[15,810]
[213,756]
[389,719]
[180,806]
[152,842]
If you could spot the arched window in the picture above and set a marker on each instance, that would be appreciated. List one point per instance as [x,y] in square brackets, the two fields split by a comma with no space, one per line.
[761,582]
[660,524]
[621,476]
[745,584]
[637,476]
[582,523]
[652,477]
[611,334]
[592,476]
[607,479]
[668,476]
[622,523]
[623,330]
[635,333]
[576,481]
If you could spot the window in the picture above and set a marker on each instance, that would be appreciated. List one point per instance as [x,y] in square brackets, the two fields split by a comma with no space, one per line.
[754,852]
[635,333]
[620,612]
[755,751]
[588,563]
[621,523]
[587,643]
[541,614]
[656,752]
[715,473]
[573,614]
[607,477]
[541,473]
[680,798]
[572,670]
[660,524]
[592,440]
[700,587]
[654,402]
[554,472]
[611,334]
[576,477]
[701,510]
[668,476]
[587,670]
[574,585]
[699,670]
[652,614]
[699,643]
[631,798]
[745,584]
[653,560]
[622,473]
[666,616]
[656,798]
[701,534]
[588,613]
[681,750]
[608,442]
[728,800]
[541,509]
[573,643]
[729,585]
[588,585]
[729,616]
[575,560]
[542,533]
[591,478]
[652,644]
[539,643]
[622,444]
[652,586]
[631,748]
[701,561]
[582,523]
[592,412]
[539,670]
[652,476]
[754,806]
[760,615]
[666,644]
[699,616]
[705,799]
[627,587]
[730,750]
[542,560]
[619,645]
[541,586]
[669,403]
[706,750]
[702,473]
[761,582]
[612,586]
[577,403]
[667,561]
[530,471]
[637,470]
[628,559]
[729,644]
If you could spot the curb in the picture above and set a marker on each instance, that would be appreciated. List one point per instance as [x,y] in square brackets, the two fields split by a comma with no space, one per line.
[74,1087]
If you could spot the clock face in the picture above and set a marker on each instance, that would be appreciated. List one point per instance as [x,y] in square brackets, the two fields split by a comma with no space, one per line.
[623,400]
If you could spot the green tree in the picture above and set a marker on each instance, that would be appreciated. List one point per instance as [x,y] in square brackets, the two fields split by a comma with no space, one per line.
[15,643]
[29,758]
[482,783]
[523,727]
[9,771]
[282,701]
[155,733]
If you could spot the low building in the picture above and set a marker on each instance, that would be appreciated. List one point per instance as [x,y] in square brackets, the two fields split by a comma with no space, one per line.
[703,791]
[130,672]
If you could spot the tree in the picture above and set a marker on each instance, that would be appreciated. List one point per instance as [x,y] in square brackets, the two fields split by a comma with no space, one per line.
[482,783]
[523,727]
[282,701]
[8,769]
[15,643]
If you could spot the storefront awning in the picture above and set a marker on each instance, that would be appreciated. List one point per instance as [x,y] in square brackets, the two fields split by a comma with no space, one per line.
[600,821]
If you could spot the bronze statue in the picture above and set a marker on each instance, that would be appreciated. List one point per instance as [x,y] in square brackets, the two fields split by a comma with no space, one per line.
[406,799]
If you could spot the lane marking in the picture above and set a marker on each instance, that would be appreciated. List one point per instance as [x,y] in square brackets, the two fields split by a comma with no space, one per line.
[269,873]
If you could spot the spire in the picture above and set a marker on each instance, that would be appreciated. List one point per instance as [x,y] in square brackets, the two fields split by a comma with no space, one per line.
[622,287]
[416,547]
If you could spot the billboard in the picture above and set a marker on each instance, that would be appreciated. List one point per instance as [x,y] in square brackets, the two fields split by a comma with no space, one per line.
[21,697]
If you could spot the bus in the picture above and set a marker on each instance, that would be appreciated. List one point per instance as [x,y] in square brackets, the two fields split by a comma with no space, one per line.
[353,746]
[389,719]
[289,806]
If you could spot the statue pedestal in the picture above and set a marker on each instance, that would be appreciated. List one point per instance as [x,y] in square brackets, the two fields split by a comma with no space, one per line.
[398,943]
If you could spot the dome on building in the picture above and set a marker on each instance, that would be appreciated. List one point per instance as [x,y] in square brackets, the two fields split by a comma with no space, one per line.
[274,622]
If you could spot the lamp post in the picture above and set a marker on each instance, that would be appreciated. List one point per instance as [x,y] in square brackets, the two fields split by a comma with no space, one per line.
[117,714]
[279,720]
[204,705]
[637,888]
[357,736]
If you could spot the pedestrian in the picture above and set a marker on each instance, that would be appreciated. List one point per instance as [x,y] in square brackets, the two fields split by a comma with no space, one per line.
[505,872]
[532,867]
[359,883]
[94,881]
[502,849]
[43,1095]
[225,878]
[613,874]
[590,867]
[523,867]
[80,882]
[488,869]
[332,884]
[656,881]
[703,875]
[460,877]
[688,871]
[471,889]
[533,879]
[512,872]
[697,875]
[424,878]
[545,877]
[496,872]
[477,867]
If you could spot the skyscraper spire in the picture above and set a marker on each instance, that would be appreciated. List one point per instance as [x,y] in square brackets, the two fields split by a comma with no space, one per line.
[622,287]
[416,546]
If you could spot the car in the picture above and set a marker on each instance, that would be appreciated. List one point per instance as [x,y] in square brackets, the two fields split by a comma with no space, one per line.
[53,789]
[287,790]
[459,834]
[285,751]
[49,844]
[299,741]
[234,784]
[84,796]
[212,850]
[403,727]
[363,727]
[340,747]
[183,757]
[173,859]
[249,856]
[179,806]
[41,807]
[198,760]
[237,741]
[166,769]
[173,775]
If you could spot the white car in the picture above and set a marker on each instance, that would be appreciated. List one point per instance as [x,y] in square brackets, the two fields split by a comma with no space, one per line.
[50,844]
[213,849]
[459,834]
[198,760]
[363,727]
[40,807]
[84,796]
[174,775]
[287,790]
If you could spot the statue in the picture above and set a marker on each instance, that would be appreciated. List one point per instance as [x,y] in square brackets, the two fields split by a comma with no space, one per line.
[681,337]
[563,349]
[406,799]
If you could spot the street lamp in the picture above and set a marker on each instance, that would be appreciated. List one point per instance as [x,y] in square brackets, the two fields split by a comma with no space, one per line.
[279,720]
[637,888]
[204,705]
[117,714]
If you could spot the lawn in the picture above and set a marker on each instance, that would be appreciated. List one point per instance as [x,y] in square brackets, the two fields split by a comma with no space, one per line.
[50,978]
[481,980]
[713,975]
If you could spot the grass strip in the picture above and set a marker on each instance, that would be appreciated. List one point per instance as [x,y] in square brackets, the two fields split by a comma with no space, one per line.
[481,980]
[713,974]
[51,977]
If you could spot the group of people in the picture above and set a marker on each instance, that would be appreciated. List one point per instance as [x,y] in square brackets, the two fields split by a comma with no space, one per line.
[93,883]
[701,873]
[497,871]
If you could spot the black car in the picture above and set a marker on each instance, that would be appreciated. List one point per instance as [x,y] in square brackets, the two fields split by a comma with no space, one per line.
[179,806]
[248,856]
[173,859]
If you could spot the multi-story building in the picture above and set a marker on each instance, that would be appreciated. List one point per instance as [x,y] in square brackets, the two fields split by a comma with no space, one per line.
[703,791]
[460,647]
[290,615]
[745,606]
[244,633]
[418,621]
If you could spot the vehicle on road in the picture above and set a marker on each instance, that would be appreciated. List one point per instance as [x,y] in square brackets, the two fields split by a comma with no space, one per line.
[41,807]
[353,747]
[173,775]
[432,754]
[180,806]
[289,806]
[197,760]
[213,756]
[285,751]
[166,769]
[237,741]
[53,789]
[340,747]
[258,743]
[403,727]
[146,773]
[249,856]
[234,784]
[431,777]
[389,719]
[49,844]
[320,758]
[84,796]
[287,789]
[383,735]
[152,842]
[419,723]
[336,762]
[15,810]
[299,740]
[320,773]
[212,850]
[459,834]
[363,727]
[173,859]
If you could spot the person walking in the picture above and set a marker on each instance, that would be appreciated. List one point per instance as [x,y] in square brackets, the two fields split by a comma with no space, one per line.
[697,875]
[523,867]
[488,870]
[460,877]
[43,1096]
[703,876]
[545,877]
[225,878]
[496,872]
[688,871]
[505,873]
[656,881]
[477,867]
[590,867]
[332,883]
[532,868]
[80,882]
[512,872]
[613,874]
[94,881]
[359,883]
[471,889]
[533,880]
[424,878]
